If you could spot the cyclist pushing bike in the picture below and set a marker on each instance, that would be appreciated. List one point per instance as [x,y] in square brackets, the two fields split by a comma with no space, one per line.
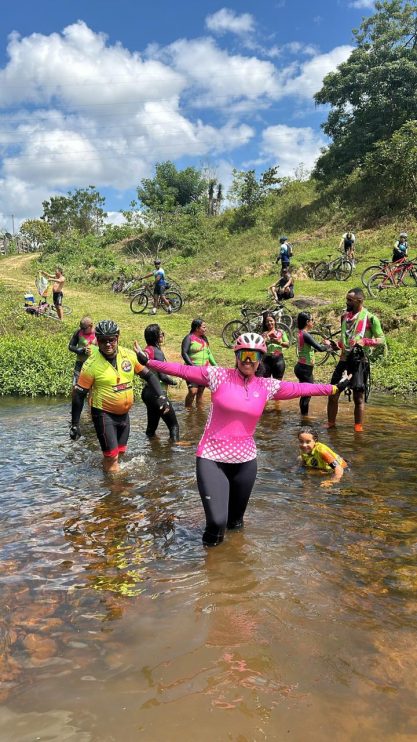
[400,248]
[160,284]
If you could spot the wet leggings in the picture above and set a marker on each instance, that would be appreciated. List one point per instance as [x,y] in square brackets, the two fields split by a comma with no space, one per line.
[155,415]
[304,373]
[274,366]
[224,490]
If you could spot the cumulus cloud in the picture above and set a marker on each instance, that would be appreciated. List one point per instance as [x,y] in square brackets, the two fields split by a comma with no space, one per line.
[362,4]
[227,21]
[289,147]
[78,110]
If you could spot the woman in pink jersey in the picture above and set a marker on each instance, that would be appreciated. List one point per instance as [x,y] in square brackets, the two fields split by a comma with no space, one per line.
[226,454]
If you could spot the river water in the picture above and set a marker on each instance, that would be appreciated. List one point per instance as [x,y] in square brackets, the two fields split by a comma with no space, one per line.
[116,624]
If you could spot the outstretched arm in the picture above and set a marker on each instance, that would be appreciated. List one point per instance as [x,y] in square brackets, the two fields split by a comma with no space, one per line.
[292,390]
[195,374]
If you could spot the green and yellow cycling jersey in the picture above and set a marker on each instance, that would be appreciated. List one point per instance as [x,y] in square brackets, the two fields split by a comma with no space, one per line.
[111,387]
[322,457]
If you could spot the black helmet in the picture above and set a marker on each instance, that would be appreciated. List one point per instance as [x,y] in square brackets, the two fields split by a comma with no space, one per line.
[157,261]
[107,328]
[283,239]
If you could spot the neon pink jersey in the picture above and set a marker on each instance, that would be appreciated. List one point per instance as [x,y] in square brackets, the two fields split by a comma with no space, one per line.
[237,404]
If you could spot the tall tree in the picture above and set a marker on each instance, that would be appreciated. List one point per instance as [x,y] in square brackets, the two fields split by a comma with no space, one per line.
[81,210]
[373,93]
[171,188]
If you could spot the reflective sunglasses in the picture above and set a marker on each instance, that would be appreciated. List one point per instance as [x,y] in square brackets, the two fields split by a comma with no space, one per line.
[110,341]
[254,356]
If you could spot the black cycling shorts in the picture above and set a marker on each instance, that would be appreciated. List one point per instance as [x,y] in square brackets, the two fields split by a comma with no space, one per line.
[57,297]
[112,431]
[159,289]
[338,372]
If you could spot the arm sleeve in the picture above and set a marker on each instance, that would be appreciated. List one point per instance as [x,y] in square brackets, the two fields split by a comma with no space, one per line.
[195,374]
[292,390]
[314,344]
[185,348]
[78,397]
[211,358]
[72,345]
[152,380]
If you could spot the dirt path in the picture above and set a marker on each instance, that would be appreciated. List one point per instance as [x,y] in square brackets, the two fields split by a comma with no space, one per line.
[15,271]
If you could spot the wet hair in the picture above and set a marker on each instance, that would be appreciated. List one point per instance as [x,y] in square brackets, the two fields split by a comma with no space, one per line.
[152,333]
[265,317]
[85,322]
[308,430]
[302,319]
[357,292]
[196,324]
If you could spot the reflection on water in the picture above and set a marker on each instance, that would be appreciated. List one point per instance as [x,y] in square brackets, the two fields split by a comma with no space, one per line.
[115,623]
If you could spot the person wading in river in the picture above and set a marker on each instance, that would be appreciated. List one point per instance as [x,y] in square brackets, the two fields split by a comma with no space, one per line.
[359,329]
[109,374]
[226,454]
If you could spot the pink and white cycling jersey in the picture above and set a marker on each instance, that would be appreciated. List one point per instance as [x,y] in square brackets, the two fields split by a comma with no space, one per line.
[237,403]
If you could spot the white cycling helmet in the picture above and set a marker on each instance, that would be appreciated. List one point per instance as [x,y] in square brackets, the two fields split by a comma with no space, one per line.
[404,234]
[250,341]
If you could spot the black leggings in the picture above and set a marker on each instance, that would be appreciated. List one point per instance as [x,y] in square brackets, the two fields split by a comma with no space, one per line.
[224,490]
[274,366]
[155,415]
[304,373]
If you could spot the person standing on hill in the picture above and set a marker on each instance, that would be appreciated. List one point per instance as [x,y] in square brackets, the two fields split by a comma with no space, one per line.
[285,252]
[359,329]
[347,244]
[195,350]
[159,287]
[400,248]
[57,289]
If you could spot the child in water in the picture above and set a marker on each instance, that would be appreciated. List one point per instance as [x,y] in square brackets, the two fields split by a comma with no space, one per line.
[316,455]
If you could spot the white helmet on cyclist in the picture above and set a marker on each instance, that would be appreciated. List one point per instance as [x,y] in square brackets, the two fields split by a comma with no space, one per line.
[250,341]
[404,234]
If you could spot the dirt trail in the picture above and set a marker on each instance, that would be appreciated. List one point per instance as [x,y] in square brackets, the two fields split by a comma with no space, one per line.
[14,271]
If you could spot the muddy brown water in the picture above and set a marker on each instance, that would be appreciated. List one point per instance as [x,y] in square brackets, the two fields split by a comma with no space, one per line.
[115,623]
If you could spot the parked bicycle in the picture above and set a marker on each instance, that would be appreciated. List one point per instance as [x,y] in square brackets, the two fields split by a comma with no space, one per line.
[122,284]
[402,273]
[339,268]
[252,322]
[44,309]
[141,299]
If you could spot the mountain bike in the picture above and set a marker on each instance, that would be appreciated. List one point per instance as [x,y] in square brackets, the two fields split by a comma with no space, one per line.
[322,333]
[43,309]
[340,269]
[252,322]
[402,273]
[141,299]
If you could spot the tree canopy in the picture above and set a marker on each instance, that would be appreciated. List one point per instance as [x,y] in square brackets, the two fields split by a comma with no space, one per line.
[172,188]
[373,93]
[81,210]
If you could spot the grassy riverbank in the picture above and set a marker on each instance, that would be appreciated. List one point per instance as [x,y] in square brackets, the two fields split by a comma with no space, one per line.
[230,270]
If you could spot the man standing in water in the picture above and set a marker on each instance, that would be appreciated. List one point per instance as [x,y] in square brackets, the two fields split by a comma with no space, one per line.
[57,289]
[359,328]
[109,374]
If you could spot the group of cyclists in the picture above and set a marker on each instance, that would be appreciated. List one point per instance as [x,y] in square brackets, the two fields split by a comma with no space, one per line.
[226,455]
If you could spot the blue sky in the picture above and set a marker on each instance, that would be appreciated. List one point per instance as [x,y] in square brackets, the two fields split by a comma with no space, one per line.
[98,92]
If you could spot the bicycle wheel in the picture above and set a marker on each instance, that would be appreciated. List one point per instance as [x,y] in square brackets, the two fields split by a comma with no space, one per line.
[50,313]
[368,272]
[409,279]
[286,319]
[139,303]
[175,301]
[322,358]
[231,332]
[66,310]
[378,282]
[342,269]
[320,271]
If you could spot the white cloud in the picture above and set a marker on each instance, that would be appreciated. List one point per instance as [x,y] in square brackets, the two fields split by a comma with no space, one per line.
[289,147]
[306,79]
[362,4]
[227,21]
[218,76]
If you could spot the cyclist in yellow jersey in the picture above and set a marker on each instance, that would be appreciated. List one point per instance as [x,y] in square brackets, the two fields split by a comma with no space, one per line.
[109,375]
[316,455]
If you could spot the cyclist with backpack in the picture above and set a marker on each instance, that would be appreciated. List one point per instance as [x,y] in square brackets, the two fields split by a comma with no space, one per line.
[347,244]
[285,252]
[400,248]
[360,331]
